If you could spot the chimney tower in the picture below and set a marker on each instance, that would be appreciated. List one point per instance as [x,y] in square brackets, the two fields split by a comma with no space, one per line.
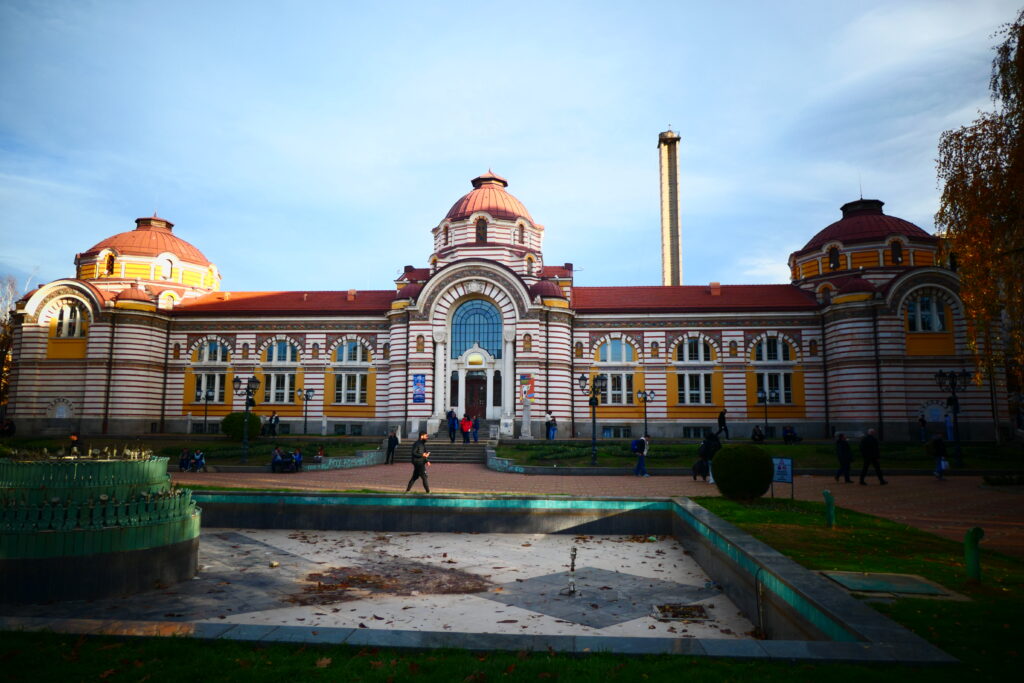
[671,235]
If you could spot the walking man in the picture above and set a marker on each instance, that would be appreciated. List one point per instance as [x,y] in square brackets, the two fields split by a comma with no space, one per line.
[389,457]
[453,425]
[420,462]
[870,451]
[640,448]
[272,423]
[722,427]
[845,456]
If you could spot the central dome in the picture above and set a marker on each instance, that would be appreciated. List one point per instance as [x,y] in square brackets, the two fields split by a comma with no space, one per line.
[151,237]
[489,195]
[863,221]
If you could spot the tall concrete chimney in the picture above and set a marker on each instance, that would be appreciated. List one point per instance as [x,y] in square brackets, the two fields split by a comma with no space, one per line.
[671,235]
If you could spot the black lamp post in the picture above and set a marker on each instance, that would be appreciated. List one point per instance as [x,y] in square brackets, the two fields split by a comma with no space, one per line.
[305,395]
[207,397]
[954,383]
[248,390]
[594,390]
[773,396]
[645,398]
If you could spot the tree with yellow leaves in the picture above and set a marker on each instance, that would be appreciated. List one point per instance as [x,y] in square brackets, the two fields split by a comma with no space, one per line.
[981,213]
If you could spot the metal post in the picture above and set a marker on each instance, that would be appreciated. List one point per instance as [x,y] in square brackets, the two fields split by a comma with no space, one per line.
[645,397]
[248,390]
[972,556]
[207,397]
[830,509]
[592,389]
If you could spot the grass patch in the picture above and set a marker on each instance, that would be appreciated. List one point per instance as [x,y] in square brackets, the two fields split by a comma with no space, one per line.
[985,633]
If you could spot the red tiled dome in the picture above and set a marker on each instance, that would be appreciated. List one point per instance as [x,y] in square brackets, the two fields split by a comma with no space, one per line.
[489,195]
[151,237]
[410,291]
[133,293]
[546,289]
[863,221]
[856,284]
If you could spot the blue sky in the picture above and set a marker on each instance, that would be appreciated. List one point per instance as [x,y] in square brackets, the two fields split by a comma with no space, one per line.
[313,145]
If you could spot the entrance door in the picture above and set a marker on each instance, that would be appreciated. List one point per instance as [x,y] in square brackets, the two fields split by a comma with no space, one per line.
[476,394]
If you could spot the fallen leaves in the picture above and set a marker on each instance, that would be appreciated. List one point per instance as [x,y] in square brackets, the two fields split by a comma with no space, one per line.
[323,662]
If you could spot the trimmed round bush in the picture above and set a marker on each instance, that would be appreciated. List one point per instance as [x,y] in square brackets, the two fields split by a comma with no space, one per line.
[742,472]
[233,425]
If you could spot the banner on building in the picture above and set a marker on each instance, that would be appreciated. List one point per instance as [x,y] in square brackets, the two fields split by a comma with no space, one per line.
[419,388]
[526,388]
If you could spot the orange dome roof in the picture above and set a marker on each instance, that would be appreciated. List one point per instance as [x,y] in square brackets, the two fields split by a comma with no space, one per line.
[546,289]
[133,293]
[863,221]
[151,237]
[489,195]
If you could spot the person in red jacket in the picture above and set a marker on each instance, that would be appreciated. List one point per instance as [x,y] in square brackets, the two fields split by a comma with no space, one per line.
[466,426]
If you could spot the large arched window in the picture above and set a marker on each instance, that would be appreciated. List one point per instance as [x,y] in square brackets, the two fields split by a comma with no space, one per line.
[618,380]
[279,372]
[476,322]
[481,230]
[926,313]
[210,381]
[71,320]
[212,351]
[773,358]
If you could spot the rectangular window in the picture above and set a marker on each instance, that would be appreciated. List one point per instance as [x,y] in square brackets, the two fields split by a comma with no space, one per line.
[210,380]
[619,389]
[912,316]
[694,388]
[281,352]
[780,387]
[773,349]
[279,387]
[350,388]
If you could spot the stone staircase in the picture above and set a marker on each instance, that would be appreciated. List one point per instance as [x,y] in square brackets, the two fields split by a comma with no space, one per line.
[458,452]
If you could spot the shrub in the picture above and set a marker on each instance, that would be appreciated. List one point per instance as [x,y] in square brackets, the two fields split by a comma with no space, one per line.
[743,472]
[232,425]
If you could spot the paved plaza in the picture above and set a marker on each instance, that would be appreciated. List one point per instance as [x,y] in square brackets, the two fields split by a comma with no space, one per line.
[947,508]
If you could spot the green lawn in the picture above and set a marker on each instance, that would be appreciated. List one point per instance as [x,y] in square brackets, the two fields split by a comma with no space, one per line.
[985,632]
[986,456]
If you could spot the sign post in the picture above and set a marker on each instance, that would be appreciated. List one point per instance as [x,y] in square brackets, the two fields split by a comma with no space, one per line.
[782,472]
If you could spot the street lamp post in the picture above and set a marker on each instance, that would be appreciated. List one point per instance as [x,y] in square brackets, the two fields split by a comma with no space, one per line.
[207,397]
[645,398]
[773,396]
[248,390]
[954,383]
[594,390]
[305,395]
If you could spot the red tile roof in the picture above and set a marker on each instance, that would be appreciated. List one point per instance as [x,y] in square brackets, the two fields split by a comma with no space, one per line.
[288,303]
[489,195]
[691,298]
[556,271]
[152,237]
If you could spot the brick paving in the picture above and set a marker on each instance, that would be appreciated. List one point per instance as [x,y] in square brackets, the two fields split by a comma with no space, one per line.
[947,508]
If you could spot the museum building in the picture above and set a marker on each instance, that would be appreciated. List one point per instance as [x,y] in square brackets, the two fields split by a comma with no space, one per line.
[143,338]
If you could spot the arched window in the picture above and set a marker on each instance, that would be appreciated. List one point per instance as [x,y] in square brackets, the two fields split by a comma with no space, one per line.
[833,258]
[694,375]
[527,343]
[521,235]
[316,351]
[812,348]
[245,352]
[654,349]
[279,372]
[385,351]
[71,320]
[578,350]
[176,352]
[481,230]
[108,264]
[476,322]
[825,295]
[351,373]
[774,384]
[733,349]
[694,350]
[925,313]
[167,267]
[896,252]
[421,344]
[616,351]
[212,351]
[529,266]
[447,235]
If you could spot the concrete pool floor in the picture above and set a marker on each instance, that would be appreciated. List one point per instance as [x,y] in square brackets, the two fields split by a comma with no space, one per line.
[279,584]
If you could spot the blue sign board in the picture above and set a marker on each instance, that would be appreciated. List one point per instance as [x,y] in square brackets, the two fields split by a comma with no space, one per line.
[419,388]
[783,470]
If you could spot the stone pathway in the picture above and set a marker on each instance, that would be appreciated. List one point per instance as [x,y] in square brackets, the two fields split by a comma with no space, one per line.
[947,508]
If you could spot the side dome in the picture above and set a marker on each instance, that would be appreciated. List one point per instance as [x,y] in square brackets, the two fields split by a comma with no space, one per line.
[489,195]
[863,221]
[546,289]
[134,293]
[410,291]
[151,237]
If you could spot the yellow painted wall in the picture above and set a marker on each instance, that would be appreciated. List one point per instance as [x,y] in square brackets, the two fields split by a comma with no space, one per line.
[809,268]
[796,409]
[923,258]
[66,347]
[196,408]
[930,344]
[139,270]
[694,412]
[865,259]
[331,409]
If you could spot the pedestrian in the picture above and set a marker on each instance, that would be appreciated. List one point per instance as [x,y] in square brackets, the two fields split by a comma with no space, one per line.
[465,426]
[756,435]
[870,451]
[184,460]
[476,428]
[453,424]
[922,426]
[547,425]
[297,459]
[553,428]
[199,461]
[640,447]
[845,456]
[420,462]
[948,419]
[936,450]
[389,457]
[722,427]
[272,423]
[705,453]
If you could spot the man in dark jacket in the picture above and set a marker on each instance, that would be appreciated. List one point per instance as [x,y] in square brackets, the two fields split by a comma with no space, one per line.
[420,462]
[389,457]
[870,451]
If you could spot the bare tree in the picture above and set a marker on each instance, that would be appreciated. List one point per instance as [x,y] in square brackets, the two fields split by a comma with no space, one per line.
[9,294]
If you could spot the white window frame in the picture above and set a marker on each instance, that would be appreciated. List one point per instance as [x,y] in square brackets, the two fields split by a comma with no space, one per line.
[350,388]
[773,350]
[275,349]
[926,308]
[221,355]
[615,351]
[210,380]
[279,386]
[693,382]
[780,381]
[70,320]
[621,395]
